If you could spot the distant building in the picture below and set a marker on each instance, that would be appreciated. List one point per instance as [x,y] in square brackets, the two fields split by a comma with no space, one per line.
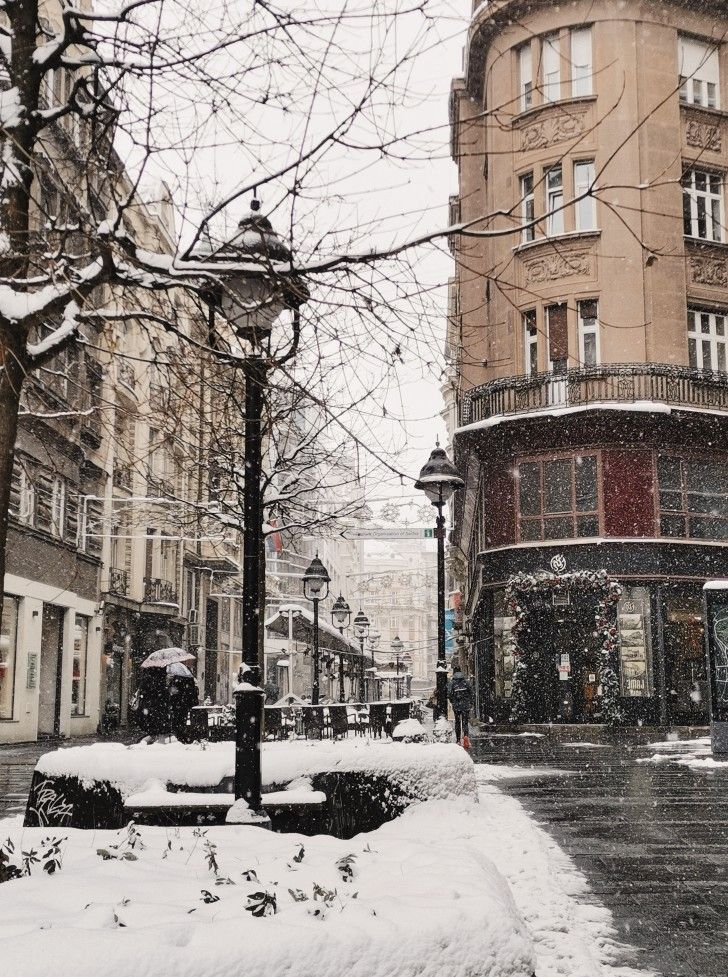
[588,353]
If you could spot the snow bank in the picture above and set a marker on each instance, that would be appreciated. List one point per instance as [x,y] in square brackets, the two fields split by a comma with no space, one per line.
[422,771]
[417,898]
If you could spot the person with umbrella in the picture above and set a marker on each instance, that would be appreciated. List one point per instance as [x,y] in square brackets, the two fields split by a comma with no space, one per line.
[153,713]
[183,695]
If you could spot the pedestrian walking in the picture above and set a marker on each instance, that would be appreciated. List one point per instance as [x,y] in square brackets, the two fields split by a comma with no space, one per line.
[460,694]
[183,695]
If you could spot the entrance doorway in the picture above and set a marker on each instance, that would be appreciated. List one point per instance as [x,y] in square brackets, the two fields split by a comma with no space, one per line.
[51,670]
[685,662]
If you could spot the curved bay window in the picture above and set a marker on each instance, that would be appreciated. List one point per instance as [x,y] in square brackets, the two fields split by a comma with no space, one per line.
[693,497]
[558,498]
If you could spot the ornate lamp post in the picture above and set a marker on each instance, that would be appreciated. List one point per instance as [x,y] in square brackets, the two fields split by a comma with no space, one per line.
[341,618]
[374,639]
[397,646]
[250,303]
[316,582]
[438,480]
[361,630]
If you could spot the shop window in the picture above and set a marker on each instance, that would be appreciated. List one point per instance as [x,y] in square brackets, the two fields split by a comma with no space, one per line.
[581,62]
[693,497]
[504,647]
[635,636]
[530,342]
[80,663]
[588,332]
[699,71]
[707,340]
[527,208]
[558,499]
[554,201]
[8,652]
[525,76]
[584,209]
[703,204]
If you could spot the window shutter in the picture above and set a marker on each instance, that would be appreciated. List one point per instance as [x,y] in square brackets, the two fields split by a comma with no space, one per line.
[558,332]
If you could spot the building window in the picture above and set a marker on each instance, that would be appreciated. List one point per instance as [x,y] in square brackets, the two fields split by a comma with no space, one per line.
[585,208]
[693,497]
[699,69]
[558,334]
[58,507]
[527,208]
[22,494]
[80,662]
[588,332]
[703,205]
[581,62]
[555,201]
[557,498]
[530,342]
[551,56]
[525,76]
[8,650]
[707,340]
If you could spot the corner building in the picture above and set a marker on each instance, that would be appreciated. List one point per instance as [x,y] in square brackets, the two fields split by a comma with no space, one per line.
[588,344]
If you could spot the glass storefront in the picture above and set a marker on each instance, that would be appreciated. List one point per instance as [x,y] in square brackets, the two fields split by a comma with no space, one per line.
[686,670]
[8,651]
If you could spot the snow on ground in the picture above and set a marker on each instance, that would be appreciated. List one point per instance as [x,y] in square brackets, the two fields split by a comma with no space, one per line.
[424,771]
[419,897]
[696,754]
[573,934]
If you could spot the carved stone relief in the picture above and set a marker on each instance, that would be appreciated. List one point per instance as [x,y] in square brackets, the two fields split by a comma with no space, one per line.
[553,129]
[703,135]
[709,270]
[553,266]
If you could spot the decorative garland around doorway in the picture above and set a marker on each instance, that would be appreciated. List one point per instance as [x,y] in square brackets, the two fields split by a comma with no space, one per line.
[522,585]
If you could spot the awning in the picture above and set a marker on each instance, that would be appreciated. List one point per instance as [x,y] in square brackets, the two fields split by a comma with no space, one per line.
[330,639]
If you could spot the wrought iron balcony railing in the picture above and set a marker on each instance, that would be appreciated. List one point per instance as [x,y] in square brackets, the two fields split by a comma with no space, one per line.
[158,591]
[118,582]
[618,383]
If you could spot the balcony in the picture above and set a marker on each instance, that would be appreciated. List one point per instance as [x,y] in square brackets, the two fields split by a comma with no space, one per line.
[618,383]
[158,591]
[118,582]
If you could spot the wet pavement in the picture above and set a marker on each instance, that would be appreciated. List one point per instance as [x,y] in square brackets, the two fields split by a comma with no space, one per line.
[651,839]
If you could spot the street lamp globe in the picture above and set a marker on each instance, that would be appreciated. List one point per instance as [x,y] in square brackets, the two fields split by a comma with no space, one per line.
[341,613]
[316,580]
[397,644]
[361,624]
[439,478]
[374,638]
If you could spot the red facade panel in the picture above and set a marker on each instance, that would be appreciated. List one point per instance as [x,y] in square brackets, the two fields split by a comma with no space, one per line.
[628,486]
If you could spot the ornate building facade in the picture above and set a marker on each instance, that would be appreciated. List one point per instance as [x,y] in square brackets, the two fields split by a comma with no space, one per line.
[588,345]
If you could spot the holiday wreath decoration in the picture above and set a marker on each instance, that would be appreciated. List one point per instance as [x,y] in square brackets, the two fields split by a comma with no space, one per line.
[521,588]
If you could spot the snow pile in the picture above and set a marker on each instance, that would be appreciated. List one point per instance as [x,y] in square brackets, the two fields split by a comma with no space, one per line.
[417,898]
[696,754]
[422,771]
[409,730]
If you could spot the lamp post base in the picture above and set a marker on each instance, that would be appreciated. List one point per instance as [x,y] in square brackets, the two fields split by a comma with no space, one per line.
[249,705]
[441,693]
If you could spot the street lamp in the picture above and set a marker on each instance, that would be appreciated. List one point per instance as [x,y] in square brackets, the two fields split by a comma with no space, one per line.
[374,639]
[438,479]
[361,629]
[397,646]
[316,582]
[250,302]
[341,618]
[407,662]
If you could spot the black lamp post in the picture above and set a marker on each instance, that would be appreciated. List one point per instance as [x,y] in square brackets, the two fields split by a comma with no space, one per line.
[374,639]
[250,303]
[361,630]
[341,617]
[407,662]
[316,581]
[397,646]
[438,479]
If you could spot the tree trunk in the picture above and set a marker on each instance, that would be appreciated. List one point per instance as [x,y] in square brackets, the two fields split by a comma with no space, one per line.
[12,376]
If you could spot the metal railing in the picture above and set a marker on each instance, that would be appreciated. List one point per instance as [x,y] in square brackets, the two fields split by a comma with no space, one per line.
[158,591]
[118,582]
[620,383]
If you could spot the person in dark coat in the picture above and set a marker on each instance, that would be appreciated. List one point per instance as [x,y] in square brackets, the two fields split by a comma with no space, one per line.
[152,713]
[460,694]
[183,695]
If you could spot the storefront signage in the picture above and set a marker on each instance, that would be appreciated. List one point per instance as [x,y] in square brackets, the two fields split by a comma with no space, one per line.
[634,638]
[32,677]
[558,563]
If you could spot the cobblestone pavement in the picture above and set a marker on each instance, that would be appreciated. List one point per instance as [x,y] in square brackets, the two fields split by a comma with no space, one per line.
[652,840]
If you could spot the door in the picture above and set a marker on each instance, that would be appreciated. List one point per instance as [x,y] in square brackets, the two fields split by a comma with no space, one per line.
[51,666]
[685,662]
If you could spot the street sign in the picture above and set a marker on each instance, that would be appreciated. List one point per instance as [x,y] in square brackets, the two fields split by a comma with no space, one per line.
[378,532]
